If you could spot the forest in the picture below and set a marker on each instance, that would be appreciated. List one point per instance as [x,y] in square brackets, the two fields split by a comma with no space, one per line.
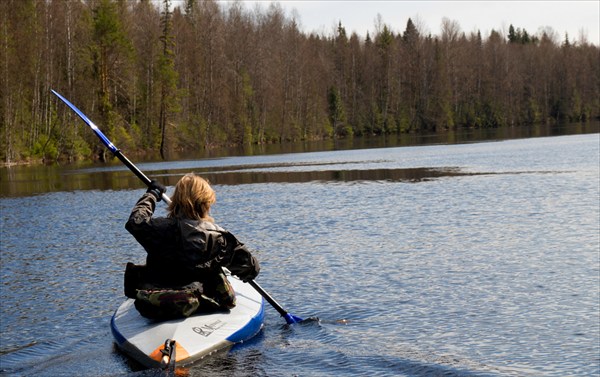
[158,78]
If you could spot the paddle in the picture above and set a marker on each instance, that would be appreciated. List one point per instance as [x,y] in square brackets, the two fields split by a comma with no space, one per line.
[289,318]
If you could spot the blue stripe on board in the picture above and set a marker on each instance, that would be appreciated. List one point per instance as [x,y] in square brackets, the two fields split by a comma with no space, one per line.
[251,328]
[116,334]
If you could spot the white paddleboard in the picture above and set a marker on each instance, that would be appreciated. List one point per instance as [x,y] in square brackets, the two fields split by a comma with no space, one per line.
[196,336]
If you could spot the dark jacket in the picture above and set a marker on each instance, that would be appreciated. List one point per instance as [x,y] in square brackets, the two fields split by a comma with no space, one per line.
[181,251]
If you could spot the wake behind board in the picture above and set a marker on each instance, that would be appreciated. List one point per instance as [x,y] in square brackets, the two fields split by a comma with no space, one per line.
[195,337]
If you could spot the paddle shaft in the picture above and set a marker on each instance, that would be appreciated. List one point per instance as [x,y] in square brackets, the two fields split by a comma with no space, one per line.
[289,318]
[268,297]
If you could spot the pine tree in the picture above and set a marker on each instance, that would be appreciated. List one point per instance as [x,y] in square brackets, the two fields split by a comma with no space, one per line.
[109,44]
[169,101]
[337,115]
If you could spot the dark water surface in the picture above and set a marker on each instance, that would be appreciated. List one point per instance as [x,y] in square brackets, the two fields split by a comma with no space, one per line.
[477,259]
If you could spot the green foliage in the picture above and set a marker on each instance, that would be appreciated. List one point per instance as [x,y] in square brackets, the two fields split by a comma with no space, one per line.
[411,34]
[385,39]
[403,122]
[168,78]
[391,125]
[45,148]
[108,34]
[80,149]
[519,36]
[248,137]
[327,130]
[377,121]
[123,138]
[110,44]
[532,112]
[491,116]
[580,110]
[337,115]
[445,118]
[469,117]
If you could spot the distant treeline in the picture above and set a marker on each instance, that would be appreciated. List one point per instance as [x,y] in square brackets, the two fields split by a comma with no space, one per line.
[158,78]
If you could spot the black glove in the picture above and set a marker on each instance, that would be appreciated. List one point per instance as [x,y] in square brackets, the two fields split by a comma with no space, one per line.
[157,189]
[239,260]
[248,271]
[244,265]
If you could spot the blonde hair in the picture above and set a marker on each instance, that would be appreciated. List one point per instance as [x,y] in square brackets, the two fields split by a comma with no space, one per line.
[192,198]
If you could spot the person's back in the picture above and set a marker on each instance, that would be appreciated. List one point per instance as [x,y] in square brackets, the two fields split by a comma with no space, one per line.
[187,247]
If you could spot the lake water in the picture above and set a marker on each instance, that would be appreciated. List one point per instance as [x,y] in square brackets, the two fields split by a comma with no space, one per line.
[477,259]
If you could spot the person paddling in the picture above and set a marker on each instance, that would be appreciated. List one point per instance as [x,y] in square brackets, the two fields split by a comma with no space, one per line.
[186,253]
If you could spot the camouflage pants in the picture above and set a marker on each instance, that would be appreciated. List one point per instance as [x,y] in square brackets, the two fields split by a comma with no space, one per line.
[218,292]
[214,293]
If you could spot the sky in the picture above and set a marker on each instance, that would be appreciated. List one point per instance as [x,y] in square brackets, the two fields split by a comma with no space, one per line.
[574,17]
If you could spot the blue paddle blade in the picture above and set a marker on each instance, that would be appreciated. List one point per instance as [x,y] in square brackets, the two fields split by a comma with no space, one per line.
[87,121]
[291,319]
